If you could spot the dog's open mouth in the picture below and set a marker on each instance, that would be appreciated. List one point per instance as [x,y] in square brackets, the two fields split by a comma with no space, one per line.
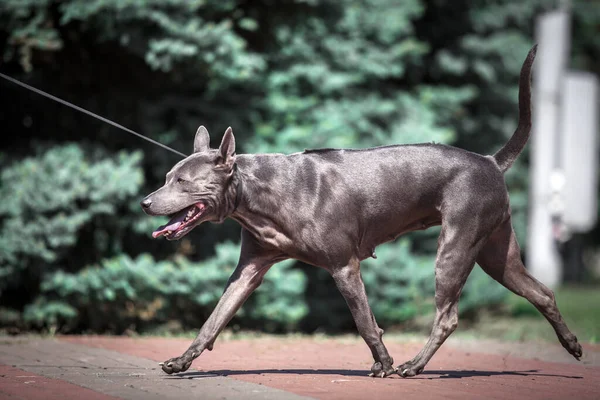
[181,220]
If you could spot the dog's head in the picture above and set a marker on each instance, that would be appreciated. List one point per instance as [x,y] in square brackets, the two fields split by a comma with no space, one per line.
[197,189]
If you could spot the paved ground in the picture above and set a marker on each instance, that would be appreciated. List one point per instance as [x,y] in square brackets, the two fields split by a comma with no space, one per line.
[287,368]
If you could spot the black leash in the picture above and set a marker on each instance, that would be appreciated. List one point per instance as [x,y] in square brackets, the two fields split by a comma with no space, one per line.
[91,114]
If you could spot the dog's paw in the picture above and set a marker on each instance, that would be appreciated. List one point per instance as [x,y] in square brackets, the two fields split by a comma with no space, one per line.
[378,370]
[571,344]
[577,351]
[177,364]
[409,369]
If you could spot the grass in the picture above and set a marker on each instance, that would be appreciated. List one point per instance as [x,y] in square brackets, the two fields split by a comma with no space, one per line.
[579,306]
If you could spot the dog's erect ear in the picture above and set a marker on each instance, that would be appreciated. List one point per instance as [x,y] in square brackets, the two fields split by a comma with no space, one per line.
[227,148]
[202,140]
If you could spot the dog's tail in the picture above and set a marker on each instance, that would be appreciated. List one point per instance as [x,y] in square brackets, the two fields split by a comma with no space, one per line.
[511,150]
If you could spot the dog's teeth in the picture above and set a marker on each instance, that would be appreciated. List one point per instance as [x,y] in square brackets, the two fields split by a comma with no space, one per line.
[189,215]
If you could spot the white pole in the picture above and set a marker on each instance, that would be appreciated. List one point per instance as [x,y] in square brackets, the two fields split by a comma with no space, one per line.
[552,36]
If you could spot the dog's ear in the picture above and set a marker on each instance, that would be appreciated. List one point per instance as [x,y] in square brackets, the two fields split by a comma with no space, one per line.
[227,148]
[202,140]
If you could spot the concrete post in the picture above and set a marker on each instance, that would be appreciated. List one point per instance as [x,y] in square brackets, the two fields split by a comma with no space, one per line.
[552,36]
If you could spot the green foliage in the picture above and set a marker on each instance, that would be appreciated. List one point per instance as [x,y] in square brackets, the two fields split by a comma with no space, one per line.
[124,293]
[51,314]
[524,323]
[320,86]
[399,283]
[279,302]
[173,32]
[46,201]
[481,291]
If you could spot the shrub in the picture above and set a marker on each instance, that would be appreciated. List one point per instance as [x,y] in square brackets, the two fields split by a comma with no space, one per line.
[124,293]
[48,200]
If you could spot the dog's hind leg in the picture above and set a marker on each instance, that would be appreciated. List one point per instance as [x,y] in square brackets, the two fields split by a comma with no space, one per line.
[254,263]
[456,255]
[501,259]
[350,284]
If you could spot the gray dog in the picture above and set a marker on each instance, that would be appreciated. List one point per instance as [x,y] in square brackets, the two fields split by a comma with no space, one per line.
[331,208]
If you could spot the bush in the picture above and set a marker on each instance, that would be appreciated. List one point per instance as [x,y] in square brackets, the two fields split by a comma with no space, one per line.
[46,203]
[399,283]
[138,294]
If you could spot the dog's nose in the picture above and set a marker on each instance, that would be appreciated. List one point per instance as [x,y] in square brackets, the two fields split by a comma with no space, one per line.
[146,203]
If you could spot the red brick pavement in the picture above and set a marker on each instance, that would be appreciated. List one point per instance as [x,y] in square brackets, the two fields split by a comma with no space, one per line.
[19,384]
[332,369]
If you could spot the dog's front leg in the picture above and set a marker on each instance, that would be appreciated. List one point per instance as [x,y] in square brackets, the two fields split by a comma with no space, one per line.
[350,284]
[254,263]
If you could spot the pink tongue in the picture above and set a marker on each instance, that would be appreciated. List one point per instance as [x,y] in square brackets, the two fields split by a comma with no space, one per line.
[172,225]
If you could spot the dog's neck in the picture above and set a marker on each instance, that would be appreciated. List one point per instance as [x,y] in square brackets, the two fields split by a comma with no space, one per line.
[257,207]
[240,193]
[233,197]
[238,184]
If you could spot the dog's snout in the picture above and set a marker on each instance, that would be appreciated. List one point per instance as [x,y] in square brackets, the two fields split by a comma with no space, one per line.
[146,203]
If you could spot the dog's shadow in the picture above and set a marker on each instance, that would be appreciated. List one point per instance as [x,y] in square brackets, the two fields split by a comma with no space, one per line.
[439,374]
[459,374]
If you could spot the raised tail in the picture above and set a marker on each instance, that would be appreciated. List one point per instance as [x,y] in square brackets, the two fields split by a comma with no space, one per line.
[511,150]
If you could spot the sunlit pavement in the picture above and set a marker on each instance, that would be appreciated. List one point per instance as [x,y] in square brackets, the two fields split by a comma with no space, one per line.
[100,367]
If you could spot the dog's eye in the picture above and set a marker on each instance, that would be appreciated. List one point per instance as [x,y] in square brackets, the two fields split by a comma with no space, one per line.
[180,180]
